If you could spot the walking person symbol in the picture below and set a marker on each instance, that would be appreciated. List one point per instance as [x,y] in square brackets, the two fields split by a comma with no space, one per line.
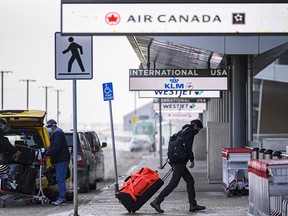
[73,47]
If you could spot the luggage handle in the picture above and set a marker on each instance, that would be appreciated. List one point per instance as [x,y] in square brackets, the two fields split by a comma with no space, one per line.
[167,174]
[169,171]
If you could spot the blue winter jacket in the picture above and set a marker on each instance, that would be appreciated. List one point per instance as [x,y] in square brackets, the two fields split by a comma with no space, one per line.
[58,151]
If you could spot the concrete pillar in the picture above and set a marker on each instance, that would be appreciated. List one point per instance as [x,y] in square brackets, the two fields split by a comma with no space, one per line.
[250,99]
[239,77]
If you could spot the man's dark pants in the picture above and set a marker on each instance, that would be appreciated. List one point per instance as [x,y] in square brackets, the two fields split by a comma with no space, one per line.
[180,170]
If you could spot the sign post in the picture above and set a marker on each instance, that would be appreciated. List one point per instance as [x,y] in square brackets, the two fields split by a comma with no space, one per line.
[108,95]
[73,60]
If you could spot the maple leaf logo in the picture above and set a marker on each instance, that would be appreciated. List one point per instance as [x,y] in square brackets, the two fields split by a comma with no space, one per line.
[112,18]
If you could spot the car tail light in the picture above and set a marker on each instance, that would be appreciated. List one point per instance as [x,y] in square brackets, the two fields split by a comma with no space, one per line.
[80,158]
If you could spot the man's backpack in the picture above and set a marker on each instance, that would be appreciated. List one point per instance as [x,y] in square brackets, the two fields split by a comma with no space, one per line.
[177,149]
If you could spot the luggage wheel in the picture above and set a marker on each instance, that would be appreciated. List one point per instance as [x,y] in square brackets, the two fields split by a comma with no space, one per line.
[45,201]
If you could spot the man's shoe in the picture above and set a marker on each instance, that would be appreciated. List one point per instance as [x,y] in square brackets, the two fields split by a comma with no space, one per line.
[156,205]
[194,208]
[59,202]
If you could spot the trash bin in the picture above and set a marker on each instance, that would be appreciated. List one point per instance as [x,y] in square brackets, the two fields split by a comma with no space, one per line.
[268,154]
[235,170]
[268,183]
[255,153]
[261,153]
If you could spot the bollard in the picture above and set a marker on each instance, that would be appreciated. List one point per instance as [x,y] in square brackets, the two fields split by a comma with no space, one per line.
[268,154]
[261,153]
[255,153]
[276,155]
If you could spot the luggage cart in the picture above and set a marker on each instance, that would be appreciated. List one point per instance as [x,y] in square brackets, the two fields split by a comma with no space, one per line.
[31,199]
[235,170]
[268,187]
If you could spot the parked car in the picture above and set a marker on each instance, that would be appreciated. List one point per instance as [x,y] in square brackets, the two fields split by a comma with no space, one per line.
[140,142]
[96,148]
[85,160]
[27,129]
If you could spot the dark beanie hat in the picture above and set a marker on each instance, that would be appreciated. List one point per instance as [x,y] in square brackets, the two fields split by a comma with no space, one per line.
[51,122]
[197,122]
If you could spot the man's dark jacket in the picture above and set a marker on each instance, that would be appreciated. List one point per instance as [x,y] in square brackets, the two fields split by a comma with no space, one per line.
[188,133]
[5,145]
[58,151]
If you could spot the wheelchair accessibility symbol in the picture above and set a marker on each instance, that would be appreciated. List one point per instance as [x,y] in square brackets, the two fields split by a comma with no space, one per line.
[108,91]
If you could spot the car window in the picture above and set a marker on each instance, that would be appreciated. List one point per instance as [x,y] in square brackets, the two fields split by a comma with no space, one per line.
[97,139]
[82,141]
[69,139]
[28,137]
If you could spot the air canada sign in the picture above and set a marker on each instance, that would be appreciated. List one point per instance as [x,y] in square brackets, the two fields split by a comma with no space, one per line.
[177,79]
[164,18]
[172,18]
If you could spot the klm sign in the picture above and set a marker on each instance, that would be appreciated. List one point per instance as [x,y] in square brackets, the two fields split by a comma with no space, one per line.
[174,84]
[178,79]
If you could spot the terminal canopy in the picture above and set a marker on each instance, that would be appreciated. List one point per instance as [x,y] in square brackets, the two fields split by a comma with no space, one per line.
[167,55]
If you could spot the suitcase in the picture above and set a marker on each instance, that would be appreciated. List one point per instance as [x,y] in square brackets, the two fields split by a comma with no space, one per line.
[29,180]
[138,188]
[28,155]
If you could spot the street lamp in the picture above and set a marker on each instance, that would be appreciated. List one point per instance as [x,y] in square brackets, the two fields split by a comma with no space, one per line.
[46,97]
[27,82]
[2,87]
[58,112]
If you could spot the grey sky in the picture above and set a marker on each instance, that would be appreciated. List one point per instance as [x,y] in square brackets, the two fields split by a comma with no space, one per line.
[27,48]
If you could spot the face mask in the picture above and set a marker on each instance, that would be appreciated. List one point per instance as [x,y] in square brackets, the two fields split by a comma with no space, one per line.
[49,130]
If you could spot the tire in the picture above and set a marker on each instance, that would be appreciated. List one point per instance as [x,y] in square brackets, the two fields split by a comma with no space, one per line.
[93,186]
[69,196]
[85,187]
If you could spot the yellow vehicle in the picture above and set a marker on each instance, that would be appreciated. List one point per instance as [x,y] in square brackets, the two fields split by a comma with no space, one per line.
[27,127]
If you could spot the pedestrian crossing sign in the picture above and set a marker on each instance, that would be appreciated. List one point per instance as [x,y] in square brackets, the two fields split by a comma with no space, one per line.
[73,57]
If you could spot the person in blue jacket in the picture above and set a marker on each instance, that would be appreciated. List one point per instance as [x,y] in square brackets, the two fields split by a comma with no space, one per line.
[180,170]
[60,157]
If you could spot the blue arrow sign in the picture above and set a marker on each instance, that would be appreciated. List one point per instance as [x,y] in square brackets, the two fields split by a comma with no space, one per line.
[108,91]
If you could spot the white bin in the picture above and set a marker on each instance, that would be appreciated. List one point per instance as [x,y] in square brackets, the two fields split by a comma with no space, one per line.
[268,187]
[235,170]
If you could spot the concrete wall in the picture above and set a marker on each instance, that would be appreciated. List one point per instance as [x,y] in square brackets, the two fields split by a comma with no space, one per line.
[200,145]
[273,115]
[217,139]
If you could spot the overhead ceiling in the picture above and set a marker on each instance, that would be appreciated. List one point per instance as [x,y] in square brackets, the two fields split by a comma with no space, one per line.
[154,53]
[167,55]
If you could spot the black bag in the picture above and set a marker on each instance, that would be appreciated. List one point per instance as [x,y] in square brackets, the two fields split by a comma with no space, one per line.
[29,180]
[176,151]
[28,155]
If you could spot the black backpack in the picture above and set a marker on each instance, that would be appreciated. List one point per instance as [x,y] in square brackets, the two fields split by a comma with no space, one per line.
[177,149]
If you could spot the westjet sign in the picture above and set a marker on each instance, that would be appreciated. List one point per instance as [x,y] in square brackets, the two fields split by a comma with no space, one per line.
[178,94]
[180,106]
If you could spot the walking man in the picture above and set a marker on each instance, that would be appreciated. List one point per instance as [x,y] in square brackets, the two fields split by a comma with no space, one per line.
[60,157]
[73,47]
[180,170]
